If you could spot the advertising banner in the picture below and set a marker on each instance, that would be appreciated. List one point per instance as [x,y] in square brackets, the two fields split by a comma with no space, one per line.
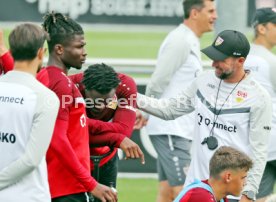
[96,11]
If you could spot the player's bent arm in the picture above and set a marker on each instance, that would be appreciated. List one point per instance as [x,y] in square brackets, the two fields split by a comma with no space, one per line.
[122,122]
[131,149]
[260,128]
[39,140]
[63,150]
[106,139]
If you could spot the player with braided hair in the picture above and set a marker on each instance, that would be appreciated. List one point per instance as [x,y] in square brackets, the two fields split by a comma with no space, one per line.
[68,154]
[109,96]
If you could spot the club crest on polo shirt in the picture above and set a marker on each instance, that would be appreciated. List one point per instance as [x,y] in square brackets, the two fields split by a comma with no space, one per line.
[241,95]
[219,41]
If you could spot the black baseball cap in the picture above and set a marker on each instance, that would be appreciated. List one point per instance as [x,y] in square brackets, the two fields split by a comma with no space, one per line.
[264,15]
[228,43]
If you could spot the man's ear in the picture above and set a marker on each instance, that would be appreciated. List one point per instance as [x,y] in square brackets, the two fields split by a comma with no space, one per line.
[261,29]
[58,48]
[226,176]
[241,60]
[40,53]
[194,13]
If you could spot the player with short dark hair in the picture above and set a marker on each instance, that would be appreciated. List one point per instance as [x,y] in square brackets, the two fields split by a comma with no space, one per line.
[109,96]
[101,78]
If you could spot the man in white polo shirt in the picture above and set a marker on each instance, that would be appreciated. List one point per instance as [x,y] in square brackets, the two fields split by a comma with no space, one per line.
[28,112]
[262,63]
[178,64]
[232,110]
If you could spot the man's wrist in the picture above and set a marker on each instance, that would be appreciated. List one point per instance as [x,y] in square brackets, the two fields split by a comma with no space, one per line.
[250,195]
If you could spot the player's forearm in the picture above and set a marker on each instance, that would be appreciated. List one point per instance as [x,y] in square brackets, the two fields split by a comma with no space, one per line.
[99,127]
[15,172]
[106,139]
[255,174]
[122,122]
[167,109]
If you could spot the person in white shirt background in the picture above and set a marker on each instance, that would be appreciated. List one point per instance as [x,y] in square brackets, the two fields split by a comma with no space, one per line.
[178,63]
[262,63]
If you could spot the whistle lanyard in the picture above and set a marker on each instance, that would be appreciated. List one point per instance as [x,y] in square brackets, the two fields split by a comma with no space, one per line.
[215,110]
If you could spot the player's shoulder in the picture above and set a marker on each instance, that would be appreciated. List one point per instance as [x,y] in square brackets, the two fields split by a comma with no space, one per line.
[258,91]
[127,87]
[254,86]
[206,75]
[180,37]
[128,80]
[56,80]
[52,73]
[127,84]
[182,30]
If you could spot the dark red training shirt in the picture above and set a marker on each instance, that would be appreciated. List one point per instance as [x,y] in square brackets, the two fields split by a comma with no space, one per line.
[122,113]
[68,154]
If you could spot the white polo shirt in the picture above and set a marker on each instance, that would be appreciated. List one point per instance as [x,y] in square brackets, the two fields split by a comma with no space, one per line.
[178,64]
[262,64]
[28,112]
[243,123]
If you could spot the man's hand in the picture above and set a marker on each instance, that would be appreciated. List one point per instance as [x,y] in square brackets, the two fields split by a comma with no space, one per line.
[3,48]
[104,193]
[132,150]
[140,121]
